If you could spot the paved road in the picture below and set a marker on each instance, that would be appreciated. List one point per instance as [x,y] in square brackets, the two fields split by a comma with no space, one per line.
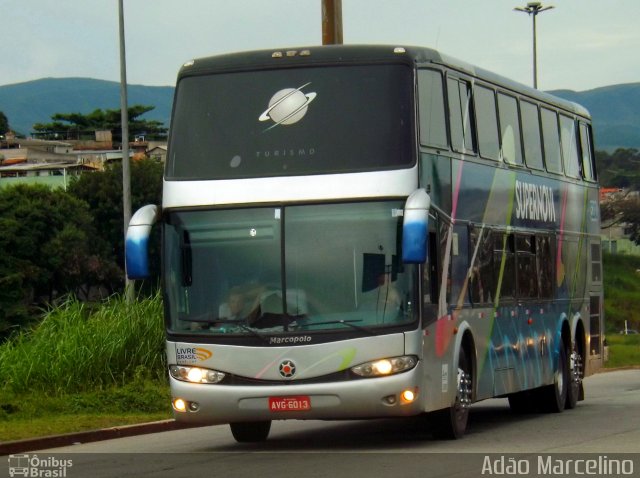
[607,423]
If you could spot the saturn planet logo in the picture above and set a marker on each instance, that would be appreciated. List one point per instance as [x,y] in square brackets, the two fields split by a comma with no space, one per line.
[287,106]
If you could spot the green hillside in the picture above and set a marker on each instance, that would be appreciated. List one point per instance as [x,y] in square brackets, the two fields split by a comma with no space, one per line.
[615,111]
[32,102]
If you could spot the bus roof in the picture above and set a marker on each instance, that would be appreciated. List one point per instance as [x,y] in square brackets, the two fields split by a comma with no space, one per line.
[358,54]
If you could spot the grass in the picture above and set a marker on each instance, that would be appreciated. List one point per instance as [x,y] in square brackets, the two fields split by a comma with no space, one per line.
[85,368]
[621,292]
[77,349]
[624,350]
[27,415]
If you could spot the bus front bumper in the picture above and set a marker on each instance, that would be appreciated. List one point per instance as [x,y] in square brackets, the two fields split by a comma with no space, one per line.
[390,396]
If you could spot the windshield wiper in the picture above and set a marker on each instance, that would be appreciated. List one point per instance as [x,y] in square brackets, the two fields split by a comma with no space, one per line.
[348,323]
[243,327]
[238,323]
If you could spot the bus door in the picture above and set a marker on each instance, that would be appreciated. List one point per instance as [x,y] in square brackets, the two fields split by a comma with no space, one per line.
[430,274]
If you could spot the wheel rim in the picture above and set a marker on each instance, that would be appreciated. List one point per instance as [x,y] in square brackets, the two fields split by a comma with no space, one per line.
[576,369]
[464,388]
[463,399]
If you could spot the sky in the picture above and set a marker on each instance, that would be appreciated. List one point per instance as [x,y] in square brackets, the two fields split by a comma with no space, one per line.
[582,44]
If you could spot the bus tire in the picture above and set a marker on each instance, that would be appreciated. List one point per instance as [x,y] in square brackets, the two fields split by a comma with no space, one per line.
[248,432]
[451,423]
[574,389]
[553,397]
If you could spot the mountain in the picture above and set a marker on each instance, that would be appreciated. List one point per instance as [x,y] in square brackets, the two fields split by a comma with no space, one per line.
[32,102]
[615,109]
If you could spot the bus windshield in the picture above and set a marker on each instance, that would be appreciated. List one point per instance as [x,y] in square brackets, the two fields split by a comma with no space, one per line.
[288,269]
[297,121]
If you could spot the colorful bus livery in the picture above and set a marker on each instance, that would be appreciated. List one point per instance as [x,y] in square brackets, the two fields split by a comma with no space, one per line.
[371,231]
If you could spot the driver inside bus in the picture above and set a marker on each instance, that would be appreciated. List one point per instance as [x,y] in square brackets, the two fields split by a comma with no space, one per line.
[384,300]
[232,309]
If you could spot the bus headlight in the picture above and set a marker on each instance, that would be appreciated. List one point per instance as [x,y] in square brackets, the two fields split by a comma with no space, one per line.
[195,374]
[387,366]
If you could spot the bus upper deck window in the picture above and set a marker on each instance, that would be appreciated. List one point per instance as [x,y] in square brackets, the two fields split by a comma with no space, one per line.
[531,135]
[433,128]
[551,140]
[510,126]
[568,137]
[588,170]
[487,123]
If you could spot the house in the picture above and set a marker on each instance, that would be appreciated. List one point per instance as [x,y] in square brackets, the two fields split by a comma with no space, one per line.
[159,153]
[50,174]
[615,235]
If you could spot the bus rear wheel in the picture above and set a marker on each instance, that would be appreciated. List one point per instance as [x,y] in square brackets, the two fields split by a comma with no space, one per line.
[451,423]
[248,432]
[553,397]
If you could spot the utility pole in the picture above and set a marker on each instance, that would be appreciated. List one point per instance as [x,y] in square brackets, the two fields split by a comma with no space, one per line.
[332,22]
[126,172]
[533,8]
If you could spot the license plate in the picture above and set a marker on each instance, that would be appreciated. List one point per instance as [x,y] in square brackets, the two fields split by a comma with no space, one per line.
[289,404]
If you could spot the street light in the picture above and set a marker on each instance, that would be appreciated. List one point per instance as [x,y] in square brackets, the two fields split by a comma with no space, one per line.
[533,8]
[124,119]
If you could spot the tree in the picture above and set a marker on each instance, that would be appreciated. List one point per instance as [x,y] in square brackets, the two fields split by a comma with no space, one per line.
[619,169]
[4,123]
[46,241]
[73,125]
[102,191]
[625,211]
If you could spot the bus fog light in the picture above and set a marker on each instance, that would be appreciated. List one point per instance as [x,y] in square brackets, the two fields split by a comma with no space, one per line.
[179,405]
[408,396]
[194,406]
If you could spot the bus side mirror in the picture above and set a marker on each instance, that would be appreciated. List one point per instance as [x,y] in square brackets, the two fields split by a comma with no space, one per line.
[137,241]
[415,227]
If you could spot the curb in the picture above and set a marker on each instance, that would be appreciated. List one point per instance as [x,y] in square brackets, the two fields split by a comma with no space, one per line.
[31,444]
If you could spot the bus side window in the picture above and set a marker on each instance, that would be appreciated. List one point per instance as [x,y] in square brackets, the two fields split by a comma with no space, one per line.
[486,123]
[568,137]
[510,126]
[588,170]
[481,283]
[544,259]
[551,140]
[433,125]
[504,264]
[526,270]
[531,135]
[459,100]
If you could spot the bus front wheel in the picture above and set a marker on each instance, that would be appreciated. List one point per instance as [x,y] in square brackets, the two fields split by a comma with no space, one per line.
[247,432]
[451,422]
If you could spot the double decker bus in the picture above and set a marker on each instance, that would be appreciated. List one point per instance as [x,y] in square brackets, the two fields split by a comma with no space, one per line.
[372,231]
